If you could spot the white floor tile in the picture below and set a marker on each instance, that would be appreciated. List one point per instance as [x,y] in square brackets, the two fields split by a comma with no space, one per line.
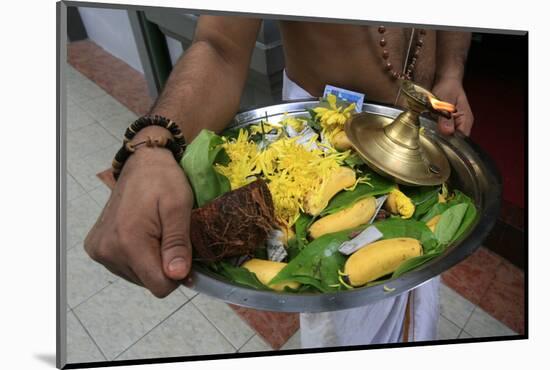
[481,324]
[80,89]
[87,140]
[446,329]
[185,333]
[79,169]
[71,72]
[101,195]
[118,123]
[103,107]
[224,319]
[85,277]
[77,117]
[74,189]
[85,169]
[454,307]
[82,213]
[80,347]
[189,293]
[464,334]
[255,344]
[294,342]
[101,160]
[122,313]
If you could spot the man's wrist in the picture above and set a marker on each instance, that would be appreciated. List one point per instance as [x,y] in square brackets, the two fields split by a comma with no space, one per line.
[146,154]
[152,131]
[448,77]
[450,70]
[150,156]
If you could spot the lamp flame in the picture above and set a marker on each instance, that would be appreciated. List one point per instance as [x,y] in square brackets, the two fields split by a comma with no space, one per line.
[442,105]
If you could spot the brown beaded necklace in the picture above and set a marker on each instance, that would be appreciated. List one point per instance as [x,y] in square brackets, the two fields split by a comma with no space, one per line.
[406,74]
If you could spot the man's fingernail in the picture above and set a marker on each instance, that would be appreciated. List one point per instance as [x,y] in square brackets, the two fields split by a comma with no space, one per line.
[176,264]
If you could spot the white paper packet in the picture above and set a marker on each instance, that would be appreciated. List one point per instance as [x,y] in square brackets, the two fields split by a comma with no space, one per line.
[367,236]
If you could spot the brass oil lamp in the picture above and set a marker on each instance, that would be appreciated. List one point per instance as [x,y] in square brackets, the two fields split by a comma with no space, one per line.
[397,148]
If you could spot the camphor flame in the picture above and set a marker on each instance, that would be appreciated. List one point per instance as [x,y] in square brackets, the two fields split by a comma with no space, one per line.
[442,105]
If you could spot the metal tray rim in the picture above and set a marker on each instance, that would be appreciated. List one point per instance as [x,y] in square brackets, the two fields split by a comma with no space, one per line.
[204,282]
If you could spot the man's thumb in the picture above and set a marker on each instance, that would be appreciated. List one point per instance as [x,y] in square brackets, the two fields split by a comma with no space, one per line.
[175,246]
[176,261]
[445,126]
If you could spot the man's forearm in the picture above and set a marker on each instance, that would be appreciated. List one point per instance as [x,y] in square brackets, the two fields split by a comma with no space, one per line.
[203,91]
[205,86]
[452,51]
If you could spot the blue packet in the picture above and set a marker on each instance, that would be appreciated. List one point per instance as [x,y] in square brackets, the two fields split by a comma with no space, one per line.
[346,95]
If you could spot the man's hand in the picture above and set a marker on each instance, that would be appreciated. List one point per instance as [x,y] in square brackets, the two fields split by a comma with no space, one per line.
[451,91]
[142,234]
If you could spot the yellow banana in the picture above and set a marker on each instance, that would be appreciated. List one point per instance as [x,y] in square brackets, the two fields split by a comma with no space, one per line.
[266,270]
[358,214]
[339,179]
[379,259]
[340,141]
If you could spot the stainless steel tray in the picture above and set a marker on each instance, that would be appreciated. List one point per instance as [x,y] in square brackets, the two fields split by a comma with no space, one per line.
[473,173]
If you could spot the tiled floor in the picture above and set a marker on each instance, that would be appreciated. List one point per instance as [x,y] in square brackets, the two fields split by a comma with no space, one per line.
[109,318]
[488,280]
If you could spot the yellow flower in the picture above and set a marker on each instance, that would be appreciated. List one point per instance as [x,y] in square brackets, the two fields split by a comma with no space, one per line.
[255,129]
[243,155]
[290,169]
[399,203]
[443,194]
[332,118]
[296,123]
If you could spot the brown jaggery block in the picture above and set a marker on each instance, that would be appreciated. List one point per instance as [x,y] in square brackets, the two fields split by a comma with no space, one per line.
[234,224]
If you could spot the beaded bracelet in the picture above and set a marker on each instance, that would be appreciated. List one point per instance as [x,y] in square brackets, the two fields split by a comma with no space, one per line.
[176,146]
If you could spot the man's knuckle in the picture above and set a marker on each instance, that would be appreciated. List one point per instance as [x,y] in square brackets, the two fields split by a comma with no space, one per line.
[180,203]
[88,246]
[162,291]
[174,240]
[125,238]
[92,252]
[176,206]
[100,251]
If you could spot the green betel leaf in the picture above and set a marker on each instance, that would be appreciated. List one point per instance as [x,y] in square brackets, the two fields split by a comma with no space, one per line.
[413,263]
[301,226]
[239,275]
[449,223]
[232,133]
[437,209]
[460,197]
[400,228]
[198,164]
[318,263]
[424,198]
[469,218]
[312,120]
[354,161]
[304,288]
[293,249]
[377,185]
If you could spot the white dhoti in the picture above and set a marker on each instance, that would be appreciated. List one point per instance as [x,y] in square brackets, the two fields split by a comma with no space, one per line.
[380,322]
